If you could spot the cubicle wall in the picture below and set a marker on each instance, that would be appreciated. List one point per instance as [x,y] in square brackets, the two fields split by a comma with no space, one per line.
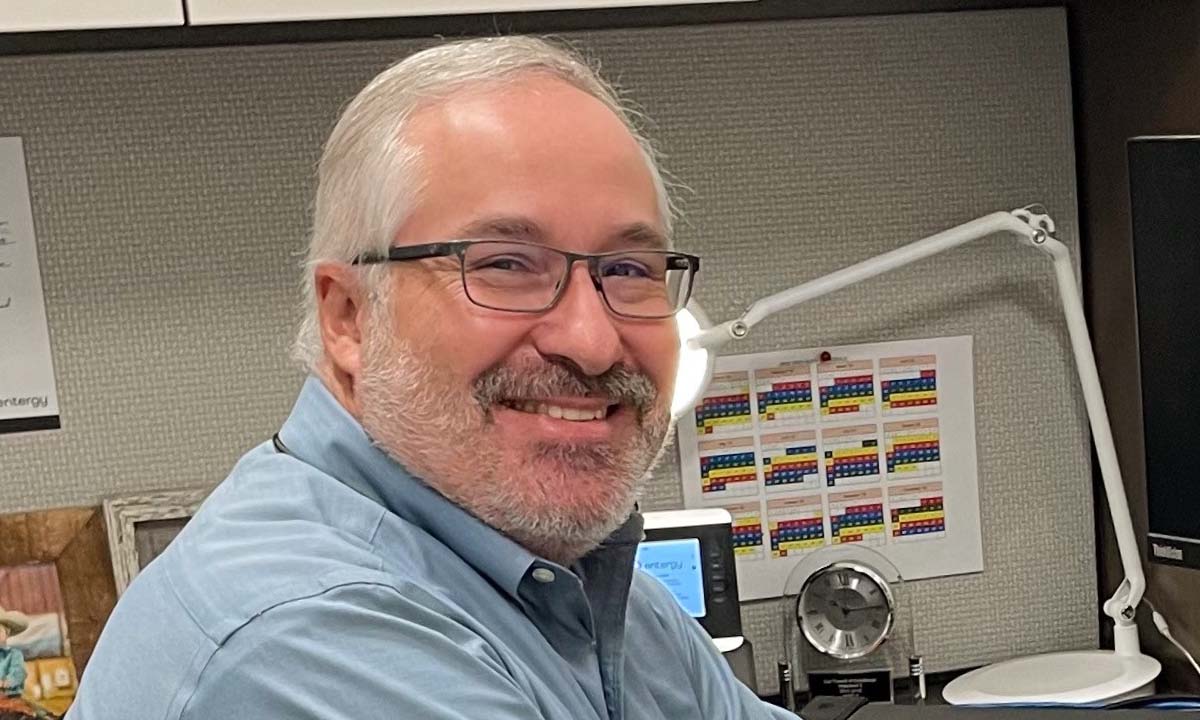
[1146,55]
[170,192]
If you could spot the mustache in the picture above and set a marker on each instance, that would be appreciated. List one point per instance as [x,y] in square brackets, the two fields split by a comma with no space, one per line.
[559,376]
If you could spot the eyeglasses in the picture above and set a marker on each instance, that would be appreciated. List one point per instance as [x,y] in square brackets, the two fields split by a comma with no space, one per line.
[531,278]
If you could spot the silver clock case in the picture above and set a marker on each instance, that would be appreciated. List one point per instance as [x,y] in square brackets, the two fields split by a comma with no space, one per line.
[801,657]
[846,609]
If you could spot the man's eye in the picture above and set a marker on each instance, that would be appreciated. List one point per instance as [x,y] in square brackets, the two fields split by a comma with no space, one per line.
[512,264]
[627,268]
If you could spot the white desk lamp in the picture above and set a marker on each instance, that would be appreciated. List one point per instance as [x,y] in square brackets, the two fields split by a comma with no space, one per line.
[1080,677]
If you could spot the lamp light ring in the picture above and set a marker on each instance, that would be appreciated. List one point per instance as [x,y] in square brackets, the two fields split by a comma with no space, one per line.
[695,363]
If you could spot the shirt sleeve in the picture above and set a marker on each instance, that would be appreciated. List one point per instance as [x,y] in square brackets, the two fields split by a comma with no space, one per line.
[723,694]
[719,693]
[357,651]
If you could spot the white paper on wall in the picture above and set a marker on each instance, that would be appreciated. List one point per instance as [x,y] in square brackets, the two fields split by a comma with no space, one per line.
[28,400]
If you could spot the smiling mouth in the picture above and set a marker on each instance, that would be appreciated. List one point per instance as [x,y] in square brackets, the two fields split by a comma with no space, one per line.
[559,412]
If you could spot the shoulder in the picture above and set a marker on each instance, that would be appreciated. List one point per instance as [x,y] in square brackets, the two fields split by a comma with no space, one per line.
[275,530]
[395,647]
[352,616]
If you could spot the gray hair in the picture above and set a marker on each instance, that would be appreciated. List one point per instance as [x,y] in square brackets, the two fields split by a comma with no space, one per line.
[368,177]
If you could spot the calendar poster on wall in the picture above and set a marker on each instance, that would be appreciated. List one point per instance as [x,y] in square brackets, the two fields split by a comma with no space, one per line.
[869,444]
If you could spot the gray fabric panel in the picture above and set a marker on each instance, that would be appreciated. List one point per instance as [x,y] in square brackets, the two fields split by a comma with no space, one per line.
[170,193]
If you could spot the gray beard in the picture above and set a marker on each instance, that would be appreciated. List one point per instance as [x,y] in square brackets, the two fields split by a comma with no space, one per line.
[404,404]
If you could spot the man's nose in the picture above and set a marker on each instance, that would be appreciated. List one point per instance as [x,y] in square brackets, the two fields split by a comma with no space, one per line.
[580,327]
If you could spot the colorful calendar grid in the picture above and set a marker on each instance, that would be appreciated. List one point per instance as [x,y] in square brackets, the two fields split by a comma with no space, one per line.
[918,511]
[747,530]
[847,388]
[856,516]
[726,404]
[789,461]
[913,449]
[727,467]
[908,384]
[797,524]
[784,394]
[851,454]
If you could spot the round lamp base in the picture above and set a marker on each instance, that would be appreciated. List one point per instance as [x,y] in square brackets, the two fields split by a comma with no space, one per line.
[1084,677]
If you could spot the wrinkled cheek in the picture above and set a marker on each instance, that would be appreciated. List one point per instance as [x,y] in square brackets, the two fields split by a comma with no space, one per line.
[655,424]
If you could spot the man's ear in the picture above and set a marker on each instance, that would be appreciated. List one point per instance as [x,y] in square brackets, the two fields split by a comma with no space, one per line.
[341,315]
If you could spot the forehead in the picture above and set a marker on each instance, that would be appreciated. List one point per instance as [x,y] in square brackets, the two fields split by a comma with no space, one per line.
[635,235]
[534,157]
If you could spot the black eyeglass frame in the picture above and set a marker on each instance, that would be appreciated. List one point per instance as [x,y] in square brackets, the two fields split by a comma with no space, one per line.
[458,248]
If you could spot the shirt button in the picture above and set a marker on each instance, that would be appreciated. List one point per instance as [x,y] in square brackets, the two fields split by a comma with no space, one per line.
[543,575]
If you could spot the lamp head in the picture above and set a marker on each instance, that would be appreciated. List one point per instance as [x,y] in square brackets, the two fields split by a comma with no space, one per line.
[695,364]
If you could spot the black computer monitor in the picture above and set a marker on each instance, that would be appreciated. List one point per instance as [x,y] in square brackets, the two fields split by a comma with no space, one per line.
[1164,189]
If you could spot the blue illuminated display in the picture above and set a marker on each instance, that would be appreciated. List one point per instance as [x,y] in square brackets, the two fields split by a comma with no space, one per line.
[676,563]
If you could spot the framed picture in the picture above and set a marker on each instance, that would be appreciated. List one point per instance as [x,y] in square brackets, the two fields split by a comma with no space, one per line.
[141,526]
[55,595]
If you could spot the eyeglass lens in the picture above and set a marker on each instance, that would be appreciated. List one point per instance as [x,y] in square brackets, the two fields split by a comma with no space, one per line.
[520,277]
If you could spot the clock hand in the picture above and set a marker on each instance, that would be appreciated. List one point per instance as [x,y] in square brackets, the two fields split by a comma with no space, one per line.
[864,607]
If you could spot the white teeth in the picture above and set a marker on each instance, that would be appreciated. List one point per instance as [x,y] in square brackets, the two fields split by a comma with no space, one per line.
[560,413]
[571,414]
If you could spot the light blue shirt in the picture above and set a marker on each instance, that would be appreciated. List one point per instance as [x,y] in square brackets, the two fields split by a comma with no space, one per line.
[329,583]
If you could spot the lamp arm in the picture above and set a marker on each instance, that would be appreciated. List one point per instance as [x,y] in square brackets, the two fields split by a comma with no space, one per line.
[932,245]
[1122,606]
[1033,229]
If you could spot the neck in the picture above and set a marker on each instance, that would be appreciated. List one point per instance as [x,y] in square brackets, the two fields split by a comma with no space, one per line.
[341,386]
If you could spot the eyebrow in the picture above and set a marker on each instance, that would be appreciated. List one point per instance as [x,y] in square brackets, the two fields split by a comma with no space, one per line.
[507,227]
[638,234]
[642,235]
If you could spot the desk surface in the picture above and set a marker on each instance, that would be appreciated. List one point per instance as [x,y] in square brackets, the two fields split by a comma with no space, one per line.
[949,712]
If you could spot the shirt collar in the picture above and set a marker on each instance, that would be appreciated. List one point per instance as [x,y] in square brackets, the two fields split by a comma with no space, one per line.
[321,433]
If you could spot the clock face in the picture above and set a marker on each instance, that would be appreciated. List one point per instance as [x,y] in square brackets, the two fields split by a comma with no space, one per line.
[845,610]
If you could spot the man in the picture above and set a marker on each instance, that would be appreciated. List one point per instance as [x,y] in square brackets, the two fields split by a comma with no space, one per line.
[445,527]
